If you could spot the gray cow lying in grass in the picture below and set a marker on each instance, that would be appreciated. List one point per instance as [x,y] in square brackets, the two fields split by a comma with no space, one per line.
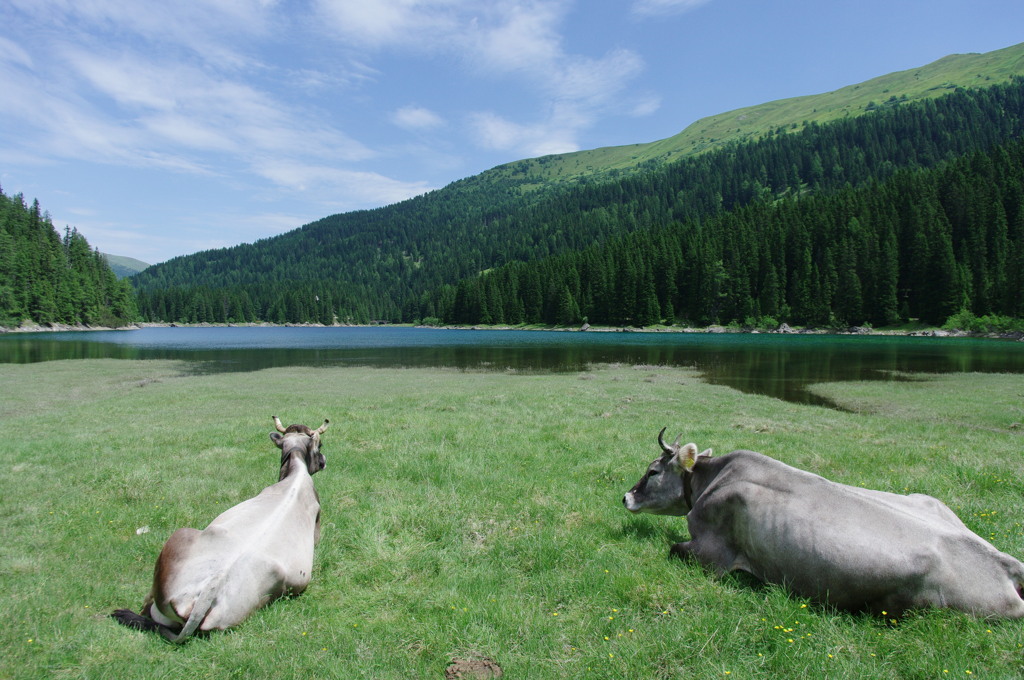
[854,548]
[250,555]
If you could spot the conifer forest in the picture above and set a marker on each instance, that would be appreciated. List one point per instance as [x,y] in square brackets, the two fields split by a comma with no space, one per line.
[49,278]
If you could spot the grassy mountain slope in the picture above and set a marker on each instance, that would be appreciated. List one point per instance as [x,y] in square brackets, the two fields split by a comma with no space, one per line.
[124,266]
[753,122]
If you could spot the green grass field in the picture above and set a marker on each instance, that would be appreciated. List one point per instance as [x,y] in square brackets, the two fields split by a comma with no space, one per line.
[471,515]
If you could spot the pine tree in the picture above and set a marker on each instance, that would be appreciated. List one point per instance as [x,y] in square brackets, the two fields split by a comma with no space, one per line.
[568,309]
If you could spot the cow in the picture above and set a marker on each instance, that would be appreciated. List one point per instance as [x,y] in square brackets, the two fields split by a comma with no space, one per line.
[853,548]
[250,555]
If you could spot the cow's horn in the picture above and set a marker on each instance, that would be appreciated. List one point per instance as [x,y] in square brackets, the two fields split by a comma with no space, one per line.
[661,441]
[277,422]
[320,430]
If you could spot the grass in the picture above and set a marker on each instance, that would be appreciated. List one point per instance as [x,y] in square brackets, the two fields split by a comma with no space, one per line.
[471,515]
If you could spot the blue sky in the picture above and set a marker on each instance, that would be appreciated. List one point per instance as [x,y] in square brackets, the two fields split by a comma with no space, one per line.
[159,129]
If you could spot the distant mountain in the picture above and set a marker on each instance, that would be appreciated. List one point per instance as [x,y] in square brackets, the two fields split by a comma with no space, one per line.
[404,261]
[123,266]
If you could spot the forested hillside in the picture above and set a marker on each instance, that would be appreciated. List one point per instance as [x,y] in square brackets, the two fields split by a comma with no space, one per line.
[405,262]
[921,244]
[47,278]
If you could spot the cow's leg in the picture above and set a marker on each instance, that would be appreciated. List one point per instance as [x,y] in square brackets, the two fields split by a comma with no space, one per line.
[152,617]
[683,551]
[720,559]
[709,549]
[168,574]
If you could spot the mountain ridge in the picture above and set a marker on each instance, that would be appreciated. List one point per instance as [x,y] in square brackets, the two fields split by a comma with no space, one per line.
[753,122]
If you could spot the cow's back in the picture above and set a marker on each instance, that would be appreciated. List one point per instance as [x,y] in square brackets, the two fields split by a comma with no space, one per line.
[847,545]
[279,524]
[248,556]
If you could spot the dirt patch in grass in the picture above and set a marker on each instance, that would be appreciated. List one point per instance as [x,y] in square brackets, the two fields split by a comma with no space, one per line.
[473,669]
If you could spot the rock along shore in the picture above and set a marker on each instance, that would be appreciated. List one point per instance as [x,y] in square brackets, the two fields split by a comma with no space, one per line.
[785,329]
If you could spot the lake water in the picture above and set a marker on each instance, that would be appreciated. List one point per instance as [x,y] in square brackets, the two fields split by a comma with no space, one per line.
[777,365]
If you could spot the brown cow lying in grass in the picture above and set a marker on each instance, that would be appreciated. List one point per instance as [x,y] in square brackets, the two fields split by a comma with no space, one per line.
[250,555]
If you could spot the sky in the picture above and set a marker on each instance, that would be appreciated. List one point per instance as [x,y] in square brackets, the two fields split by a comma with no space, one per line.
[159,129]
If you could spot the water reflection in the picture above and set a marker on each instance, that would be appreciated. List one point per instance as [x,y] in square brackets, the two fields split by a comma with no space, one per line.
[779,366]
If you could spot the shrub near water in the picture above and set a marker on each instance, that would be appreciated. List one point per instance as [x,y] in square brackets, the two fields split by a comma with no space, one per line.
[470,516]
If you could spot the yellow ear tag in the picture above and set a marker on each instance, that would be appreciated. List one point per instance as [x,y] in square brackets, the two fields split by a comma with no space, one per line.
[688,463]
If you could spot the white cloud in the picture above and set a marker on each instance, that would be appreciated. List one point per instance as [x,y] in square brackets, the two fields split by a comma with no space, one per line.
[490,35]
[381,23]
[578,90]
[416,118]
[149,112]
[129,80]
[356,188]
[12,53]
[351,75]
[662,7]
[494,132]
[187,131]
[520,37]
[645,106]
[491,131]
[595,81]
[206,27]
[70,128]
[496,40]
[192,233]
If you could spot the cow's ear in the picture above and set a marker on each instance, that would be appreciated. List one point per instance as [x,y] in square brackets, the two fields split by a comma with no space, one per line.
[706,453]
[277,438]
[685,458]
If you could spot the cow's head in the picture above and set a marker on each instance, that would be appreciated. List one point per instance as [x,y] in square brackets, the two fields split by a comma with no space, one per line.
[665,487]
[299,440]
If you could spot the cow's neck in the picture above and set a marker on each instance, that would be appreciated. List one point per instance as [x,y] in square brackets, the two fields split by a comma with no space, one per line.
[688,490]
[293,463]
[703,474]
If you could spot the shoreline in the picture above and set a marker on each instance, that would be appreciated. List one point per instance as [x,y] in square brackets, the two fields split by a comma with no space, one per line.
[783,329]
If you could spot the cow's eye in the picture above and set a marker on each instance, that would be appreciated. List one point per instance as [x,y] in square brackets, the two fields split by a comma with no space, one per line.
[651,473]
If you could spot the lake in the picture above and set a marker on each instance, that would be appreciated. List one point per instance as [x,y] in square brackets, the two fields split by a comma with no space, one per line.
[776,365]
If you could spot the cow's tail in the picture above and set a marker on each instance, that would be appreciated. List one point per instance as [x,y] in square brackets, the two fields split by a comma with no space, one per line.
[203,604]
